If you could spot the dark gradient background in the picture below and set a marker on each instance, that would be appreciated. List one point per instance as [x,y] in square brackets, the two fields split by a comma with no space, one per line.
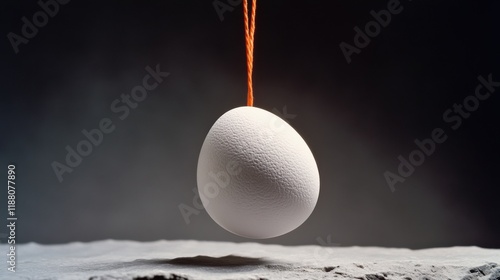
[357,118]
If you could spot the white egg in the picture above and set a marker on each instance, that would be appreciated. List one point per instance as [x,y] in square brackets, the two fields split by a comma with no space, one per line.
[257,177]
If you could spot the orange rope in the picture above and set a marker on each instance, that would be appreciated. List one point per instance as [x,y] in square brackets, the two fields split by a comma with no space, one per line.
[249,35]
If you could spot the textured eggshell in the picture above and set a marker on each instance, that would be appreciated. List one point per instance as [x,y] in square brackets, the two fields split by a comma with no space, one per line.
[257,177]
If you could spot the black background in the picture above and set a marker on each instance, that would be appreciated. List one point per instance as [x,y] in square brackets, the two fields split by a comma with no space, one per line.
[357,118]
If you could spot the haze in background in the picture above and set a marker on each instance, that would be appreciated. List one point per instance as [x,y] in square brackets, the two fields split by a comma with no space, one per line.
[357,118]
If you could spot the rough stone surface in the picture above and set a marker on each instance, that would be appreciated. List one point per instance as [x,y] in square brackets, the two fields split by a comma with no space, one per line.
[222,260]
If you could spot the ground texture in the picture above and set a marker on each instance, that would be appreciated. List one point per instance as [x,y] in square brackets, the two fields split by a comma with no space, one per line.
[222,260]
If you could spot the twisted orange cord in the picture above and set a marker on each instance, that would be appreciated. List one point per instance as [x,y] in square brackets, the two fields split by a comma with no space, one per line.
[249,35]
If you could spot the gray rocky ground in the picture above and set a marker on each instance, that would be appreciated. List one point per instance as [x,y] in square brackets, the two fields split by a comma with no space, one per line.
[160,260]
